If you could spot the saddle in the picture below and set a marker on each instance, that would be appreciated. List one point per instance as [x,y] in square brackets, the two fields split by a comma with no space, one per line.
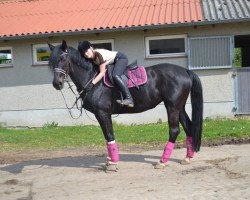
[134,76]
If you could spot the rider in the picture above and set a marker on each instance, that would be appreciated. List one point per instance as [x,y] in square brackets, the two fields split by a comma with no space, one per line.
[103,57]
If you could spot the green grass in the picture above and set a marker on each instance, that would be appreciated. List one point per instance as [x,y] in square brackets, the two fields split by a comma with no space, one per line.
[53,137]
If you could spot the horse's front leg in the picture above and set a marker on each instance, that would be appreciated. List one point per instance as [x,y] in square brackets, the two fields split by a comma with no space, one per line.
[105,122]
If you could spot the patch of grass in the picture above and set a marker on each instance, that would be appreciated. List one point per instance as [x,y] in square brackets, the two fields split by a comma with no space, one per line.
[52,136]
[49,137]
[50,125]
[225,128]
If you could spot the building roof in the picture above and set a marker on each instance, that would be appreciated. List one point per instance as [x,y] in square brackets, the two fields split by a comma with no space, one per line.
[20,18]
[31,17]
[215,10]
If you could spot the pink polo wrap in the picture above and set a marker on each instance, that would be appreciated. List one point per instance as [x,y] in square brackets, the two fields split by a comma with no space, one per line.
[113,152]
[190,150]
[167,152]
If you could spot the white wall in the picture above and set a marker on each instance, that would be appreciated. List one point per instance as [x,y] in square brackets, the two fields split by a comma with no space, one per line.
[28,98]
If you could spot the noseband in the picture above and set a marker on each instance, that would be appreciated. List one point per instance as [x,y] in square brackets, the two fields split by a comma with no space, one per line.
[61,71]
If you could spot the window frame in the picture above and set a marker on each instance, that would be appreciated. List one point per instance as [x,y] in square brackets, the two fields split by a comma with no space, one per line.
[34,54]
[12,60]
[103,41]
[165,55]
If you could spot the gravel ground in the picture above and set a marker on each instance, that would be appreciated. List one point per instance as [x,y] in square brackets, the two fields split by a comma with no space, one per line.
[220,172]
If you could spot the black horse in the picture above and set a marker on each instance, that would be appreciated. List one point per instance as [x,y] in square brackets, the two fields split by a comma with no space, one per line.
[166,83]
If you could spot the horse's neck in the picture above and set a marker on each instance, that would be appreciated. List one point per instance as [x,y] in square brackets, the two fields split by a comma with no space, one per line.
[80,76]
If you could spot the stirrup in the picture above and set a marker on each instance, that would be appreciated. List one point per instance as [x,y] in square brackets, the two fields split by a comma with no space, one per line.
[124,103]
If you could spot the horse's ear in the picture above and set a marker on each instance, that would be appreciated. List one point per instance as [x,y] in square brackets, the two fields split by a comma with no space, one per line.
[51,46]
[64,45]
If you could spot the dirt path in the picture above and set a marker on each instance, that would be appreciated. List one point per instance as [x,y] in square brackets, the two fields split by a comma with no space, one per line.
[221,172]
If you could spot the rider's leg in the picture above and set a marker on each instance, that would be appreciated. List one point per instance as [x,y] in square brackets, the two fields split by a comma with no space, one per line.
[128,100]
[119,69]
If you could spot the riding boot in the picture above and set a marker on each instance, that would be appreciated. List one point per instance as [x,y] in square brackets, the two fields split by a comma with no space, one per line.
[128,100]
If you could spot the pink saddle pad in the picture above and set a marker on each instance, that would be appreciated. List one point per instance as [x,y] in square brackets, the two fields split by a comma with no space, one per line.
[138,75]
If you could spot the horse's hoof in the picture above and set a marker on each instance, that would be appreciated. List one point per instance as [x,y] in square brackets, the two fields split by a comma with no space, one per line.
[111,167]
[108,159]
[160,165]
[186,161]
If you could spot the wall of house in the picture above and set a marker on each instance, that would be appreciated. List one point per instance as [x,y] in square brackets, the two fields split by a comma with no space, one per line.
[28,98]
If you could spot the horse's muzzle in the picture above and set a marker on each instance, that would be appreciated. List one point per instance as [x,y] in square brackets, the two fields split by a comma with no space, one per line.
[58,84]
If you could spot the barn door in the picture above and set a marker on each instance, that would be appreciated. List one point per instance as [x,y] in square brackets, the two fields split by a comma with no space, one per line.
[242,64]
[243,90]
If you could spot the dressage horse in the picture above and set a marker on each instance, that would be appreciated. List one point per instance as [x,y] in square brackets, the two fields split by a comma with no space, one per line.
[167,83]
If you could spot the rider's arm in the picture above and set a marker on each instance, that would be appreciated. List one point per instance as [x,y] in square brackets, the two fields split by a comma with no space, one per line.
[102,69]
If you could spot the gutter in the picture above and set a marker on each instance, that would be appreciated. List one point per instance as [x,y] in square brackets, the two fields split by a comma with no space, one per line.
[132,28]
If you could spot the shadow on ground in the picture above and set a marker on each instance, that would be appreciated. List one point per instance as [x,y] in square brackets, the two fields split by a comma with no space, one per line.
[94,162]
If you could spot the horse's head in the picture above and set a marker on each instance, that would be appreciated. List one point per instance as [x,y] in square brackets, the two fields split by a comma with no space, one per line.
[59,63]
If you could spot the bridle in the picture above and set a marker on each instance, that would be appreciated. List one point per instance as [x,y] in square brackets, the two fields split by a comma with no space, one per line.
[77,96]
[60,70]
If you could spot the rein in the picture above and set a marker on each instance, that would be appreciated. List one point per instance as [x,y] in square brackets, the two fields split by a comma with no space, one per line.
[75,103]
[77,96]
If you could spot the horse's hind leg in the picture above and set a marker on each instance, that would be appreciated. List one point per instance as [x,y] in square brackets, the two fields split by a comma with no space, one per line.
[174,130]
[186,124]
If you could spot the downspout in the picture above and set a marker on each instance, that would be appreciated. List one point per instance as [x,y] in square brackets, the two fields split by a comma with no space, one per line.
[235,81]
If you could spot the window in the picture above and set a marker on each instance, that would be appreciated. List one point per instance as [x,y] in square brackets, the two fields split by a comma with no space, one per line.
[103,44]
[6,56]
[41,54]
[210,52]
[165,46]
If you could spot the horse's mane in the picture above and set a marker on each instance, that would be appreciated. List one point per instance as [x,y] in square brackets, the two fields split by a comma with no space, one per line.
[74,54]
[78,59]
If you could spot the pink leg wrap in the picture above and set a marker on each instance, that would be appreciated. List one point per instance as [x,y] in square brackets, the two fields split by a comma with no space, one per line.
[190,150]
[113,152]
[167,152]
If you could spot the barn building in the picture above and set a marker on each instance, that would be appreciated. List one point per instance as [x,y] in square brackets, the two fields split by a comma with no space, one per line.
[210,37]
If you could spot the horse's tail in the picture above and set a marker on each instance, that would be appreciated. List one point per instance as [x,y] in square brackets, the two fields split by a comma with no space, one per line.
[197,110]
